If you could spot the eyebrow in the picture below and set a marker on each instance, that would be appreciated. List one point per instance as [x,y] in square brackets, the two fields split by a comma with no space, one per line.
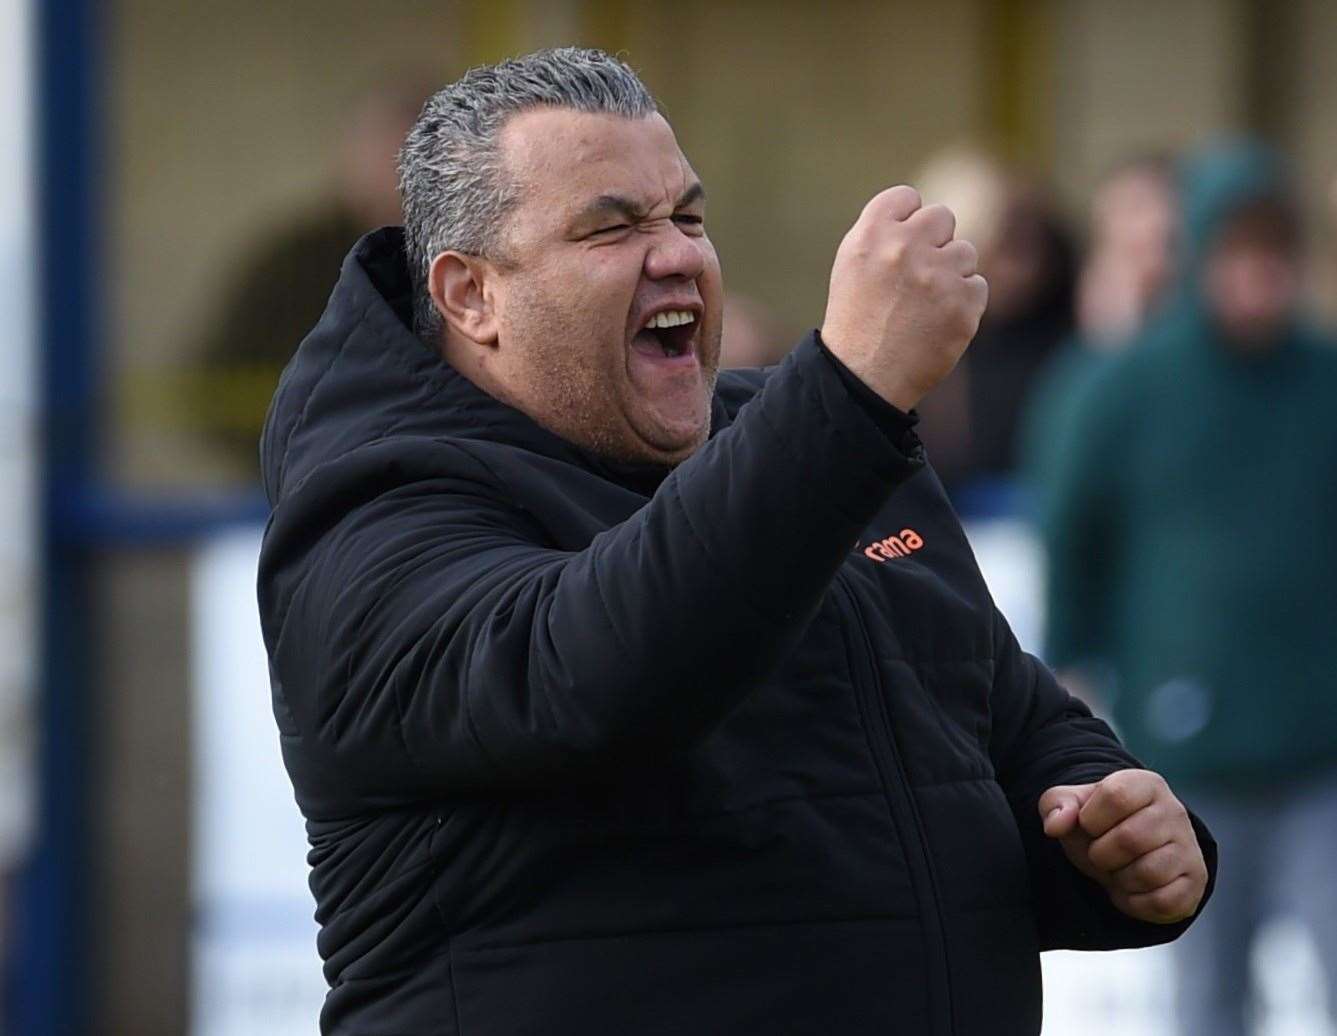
[633,211]
[696,192]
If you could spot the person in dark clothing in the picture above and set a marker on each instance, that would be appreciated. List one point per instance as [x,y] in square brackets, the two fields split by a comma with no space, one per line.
[973,423]
[279,287]
[625,695]
[1189,527]
[1022,328]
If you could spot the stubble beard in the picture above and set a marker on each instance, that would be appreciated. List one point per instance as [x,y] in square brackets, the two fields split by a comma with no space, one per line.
[576,395]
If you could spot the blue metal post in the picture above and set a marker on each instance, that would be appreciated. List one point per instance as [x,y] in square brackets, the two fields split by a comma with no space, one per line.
[49,978]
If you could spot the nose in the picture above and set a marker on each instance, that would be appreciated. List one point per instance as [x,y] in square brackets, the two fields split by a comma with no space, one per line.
[674,254]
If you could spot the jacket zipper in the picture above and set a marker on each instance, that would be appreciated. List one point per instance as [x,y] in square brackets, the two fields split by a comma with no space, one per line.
[904,811]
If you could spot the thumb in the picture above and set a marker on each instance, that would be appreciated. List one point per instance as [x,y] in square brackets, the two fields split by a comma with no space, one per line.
[1060,805]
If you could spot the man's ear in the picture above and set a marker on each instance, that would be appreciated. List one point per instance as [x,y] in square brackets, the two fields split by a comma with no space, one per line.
[460,292]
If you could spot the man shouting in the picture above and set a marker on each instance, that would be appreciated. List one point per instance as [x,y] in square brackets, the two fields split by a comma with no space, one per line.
[620,697]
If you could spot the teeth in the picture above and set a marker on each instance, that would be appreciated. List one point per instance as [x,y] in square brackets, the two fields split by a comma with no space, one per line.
[670,318]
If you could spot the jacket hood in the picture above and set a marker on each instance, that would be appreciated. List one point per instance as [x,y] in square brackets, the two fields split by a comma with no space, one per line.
[362,375]
[1217,183]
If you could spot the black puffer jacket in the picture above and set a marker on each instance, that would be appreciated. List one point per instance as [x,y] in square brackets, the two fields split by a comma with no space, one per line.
[587,748]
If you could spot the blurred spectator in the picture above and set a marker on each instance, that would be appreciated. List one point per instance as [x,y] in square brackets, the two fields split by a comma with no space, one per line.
[1192,552]
[1131,254]
[1324,284]
[751,336]
[1131,259]
[970,423]
[279,289]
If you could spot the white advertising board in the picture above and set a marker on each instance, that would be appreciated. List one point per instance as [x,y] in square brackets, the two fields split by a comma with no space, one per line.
[255,968]
[18,422]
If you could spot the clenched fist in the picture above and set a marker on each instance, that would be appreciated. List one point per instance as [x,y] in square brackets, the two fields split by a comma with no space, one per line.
[905,297]
[1130,833]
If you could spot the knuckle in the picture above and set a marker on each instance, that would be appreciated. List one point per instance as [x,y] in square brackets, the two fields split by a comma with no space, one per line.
[894,252]
[1117,798]
[940,212]
[1104,855]
[857,237]
[1166,901]
[898,198]
[1120,790]
[907,194]
[965,251]
[1126,840]
[1119,779]
[1157,871]
[856,250]
[1154,780]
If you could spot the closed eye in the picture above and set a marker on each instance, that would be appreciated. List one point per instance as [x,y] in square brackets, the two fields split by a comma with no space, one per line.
[688,219]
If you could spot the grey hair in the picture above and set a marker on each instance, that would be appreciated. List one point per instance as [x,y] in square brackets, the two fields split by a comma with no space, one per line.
[455,190]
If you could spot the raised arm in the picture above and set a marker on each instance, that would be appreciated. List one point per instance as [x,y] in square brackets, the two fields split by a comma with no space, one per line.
[431,640]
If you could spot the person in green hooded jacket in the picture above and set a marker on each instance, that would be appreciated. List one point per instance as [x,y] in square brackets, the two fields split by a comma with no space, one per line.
[1190,521]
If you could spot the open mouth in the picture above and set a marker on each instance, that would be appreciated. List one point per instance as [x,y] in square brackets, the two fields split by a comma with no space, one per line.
[668,334]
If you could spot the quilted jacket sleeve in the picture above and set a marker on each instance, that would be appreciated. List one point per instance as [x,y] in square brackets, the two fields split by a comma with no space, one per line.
[1043,736]
[423,639]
